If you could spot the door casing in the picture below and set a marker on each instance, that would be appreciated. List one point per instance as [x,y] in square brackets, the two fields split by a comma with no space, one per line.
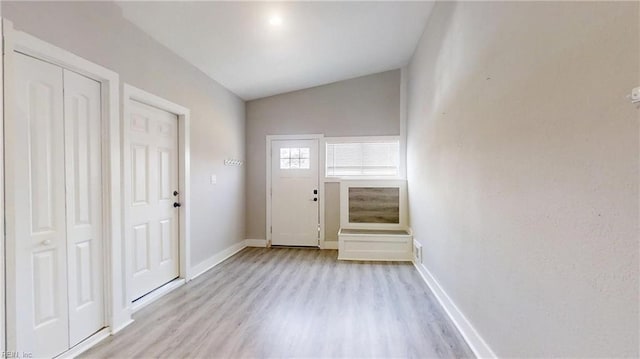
[184,178]
[321,163]
[117,317]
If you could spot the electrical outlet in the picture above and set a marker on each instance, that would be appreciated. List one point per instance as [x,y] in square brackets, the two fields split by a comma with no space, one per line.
[635,95]
[214,179]
[417,252]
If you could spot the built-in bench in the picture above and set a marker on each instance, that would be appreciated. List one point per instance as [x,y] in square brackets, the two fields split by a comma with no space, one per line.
[373,221]
[375,244]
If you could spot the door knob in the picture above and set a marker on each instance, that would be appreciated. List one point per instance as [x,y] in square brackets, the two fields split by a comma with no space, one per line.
[46,242]
[175,193]
[176,204]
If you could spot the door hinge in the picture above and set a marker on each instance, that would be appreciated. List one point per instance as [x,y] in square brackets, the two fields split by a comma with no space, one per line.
[270,229]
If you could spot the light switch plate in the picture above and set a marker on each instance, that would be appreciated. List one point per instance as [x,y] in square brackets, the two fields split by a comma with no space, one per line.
[214,179]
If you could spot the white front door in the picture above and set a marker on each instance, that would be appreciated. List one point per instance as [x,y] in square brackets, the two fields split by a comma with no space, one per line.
[294,193]
[152,188]
[53,201]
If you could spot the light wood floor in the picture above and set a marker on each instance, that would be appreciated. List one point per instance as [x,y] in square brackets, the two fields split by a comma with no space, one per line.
[290,302]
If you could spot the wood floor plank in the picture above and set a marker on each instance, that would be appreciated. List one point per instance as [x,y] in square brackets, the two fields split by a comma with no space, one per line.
[292,302]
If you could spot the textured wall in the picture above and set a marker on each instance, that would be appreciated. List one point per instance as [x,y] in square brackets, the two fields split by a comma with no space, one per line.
[523,171]
[364,106]
[97,32]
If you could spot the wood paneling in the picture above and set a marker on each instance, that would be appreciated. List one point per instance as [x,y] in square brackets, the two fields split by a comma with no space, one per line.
[374,205]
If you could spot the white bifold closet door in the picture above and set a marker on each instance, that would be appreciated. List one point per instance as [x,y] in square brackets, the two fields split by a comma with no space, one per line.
[54,209]
[84,205]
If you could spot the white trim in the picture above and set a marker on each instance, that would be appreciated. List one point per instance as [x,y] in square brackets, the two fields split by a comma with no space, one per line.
[157,294]
[361,139]
[116,312]
[2,231]
[255,242]
[321,196]
[311,136]
[184,174]
[477,344]
[204,266]
[115,330]
[85,345]
[404,90]
[330,245]
[321,190]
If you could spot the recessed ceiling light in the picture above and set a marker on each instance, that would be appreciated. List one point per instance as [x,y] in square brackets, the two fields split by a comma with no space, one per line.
[275,20]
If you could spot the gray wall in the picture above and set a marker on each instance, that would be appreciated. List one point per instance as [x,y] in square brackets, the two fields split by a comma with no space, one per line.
[364,106]
[523,172]
[97,32]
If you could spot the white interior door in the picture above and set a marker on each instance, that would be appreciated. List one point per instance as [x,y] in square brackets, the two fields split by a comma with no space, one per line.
[153,186]
[294,193]
[37,307]
[84,205]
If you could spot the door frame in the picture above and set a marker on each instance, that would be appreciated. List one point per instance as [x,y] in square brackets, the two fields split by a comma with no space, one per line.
[116,315]
[321,160]
[130,93]
[3,326]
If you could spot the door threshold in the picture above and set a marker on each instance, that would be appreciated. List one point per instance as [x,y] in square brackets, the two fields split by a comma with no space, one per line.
[293,246]
[156,294]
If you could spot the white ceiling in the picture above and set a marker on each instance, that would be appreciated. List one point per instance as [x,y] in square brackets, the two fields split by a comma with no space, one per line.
[317,42]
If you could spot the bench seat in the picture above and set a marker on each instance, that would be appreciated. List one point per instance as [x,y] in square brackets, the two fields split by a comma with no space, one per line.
[375,245]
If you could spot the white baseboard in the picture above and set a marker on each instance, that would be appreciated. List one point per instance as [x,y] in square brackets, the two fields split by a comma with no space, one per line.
[330,245]
[157,294]
[115,330]
[256,242]
[85,345]
[121,321]
[480,347]
[207,264]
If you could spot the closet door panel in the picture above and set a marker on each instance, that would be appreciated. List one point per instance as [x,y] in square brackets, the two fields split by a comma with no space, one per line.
[35,180]
[84,205]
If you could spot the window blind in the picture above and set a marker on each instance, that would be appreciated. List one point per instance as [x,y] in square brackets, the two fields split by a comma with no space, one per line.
[370,159]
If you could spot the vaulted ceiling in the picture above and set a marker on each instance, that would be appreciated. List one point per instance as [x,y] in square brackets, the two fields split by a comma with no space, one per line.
[258,49]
